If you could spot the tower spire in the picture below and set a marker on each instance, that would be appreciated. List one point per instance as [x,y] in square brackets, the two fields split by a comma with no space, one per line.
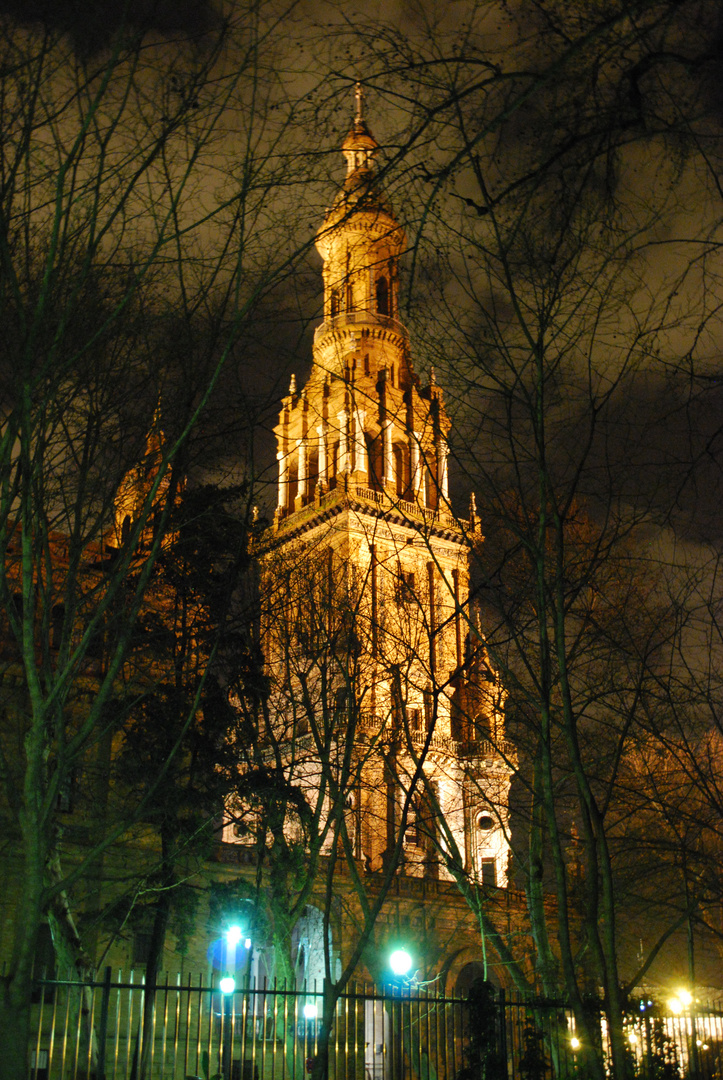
[358,103]
[360,146]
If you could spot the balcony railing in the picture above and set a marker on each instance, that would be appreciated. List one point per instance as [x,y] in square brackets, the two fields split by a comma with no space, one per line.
[359,318]
[410,509]
[370,723]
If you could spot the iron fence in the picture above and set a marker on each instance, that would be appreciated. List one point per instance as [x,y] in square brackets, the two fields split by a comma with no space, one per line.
[119,1028]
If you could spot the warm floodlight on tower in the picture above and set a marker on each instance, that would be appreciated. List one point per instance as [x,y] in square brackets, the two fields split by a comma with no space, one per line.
[400,962]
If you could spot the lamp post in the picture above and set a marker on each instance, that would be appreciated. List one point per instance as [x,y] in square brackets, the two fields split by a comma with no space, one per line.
[310,1015]
[400,964]
[227,986]
[233,936]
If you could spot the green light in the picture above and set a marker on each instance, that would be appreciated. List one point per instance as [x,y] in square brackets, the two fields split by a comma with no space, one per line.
[233,935]
[400,962]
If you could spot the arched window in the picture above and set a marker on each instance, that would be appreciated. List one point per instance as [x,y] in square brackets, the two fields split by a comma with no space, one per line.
[335,302]
[382,296]
[399,469]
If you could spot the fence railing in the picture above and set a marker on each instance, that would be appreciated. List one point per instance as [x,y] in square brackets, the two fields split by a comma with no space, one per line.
[118,1028]
[121,1029]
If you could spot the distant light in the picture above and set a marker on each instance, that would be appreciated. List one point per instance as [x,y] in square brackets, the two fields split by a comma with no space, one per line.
[675,1005]
[227,985]
[633,1038]
[233,935]
[247,943]
[685,997]
[575,1042]
[400,962]
[310,1011]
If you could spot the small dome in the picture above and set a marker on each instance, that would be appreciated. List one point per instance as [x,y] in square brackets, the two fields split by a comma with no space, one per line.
[360,137]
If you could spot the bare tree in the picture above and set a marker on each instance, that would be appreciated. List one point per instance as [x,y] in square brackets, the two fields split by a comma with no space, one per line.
[126,208]
[553,296]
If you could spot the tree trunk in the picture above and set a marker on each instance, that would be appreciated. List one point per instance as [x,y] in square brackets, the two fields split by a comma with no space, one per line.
[17,985]
[144,1039]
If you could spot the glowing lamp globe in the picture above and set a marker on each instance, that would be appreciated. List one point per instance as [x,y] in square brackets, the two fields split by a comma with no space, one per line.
[310,1011]
[400,962]
[233,935]
[227,985]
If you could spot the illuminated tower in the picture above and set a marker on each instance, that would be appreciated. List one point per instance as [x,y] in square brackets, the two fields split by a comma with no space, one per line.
[363,500]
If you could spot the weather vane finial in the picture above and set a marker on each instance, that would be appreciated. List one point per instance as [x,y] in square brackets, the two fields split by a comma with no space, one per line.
[358,102]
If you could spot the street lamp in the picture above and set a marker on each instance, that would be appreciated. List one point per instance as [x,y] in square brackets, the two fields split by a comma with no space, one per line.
[310,1014]
[233,935]
[227,986]
[400,962]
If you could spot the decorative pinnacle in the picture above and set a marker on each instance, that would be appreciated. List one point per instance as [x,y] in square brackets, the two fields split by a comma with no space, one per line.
[358,103]
[292,385]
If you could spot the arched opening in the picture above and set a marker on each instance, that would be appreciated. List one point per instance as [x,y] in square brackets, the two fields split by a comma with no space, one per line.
[307,950]
[472,972]
[400,471]
[335,302]
[382,290]
[458,717]
[482,726]
[375,457]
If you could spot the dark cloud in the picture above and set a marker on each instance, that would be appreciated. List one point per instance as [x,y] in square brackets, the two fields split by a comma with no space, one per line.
[91,24]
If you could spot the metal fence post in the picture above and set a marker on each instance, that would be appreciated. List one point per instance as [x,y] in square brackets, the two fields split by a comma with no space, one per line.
[103,1024]
[502,1030]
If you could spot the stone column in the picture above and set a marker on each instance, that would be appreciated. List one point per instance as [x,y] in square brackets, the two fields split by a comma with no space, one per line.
[301,470]
[418,486]
[360,446]
[283,460]
[442,475]
[388,452]
[323,478]
[343,462]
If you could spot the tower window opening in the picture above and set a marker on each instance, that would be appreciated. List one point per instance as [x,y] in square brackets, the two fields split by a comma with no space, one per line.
[366,364]
[429,710]
[126,529]
[382,290]
[335,302]
[375,459]
[333,463]
[489,872]
[398,453]
[349,296]
[406,587]
[413,833]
